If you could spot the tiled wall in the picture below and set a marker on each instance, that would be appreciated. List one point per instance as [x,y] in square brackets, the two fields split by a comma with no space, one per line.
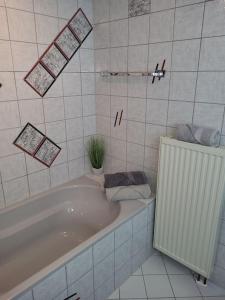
[66,113]
[135,35]
[99,270]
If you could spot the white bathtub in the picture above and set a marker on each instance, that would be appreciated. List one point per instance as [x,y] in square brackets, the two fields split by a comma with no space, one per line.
[42,234]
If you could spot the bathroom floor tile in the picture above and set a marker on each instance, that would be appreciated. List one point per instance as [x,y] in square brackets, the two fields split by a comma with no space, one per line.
[158,286]
[184,286]
[133,288]
[211,290]
[154,265]
[174,268]
[138,272]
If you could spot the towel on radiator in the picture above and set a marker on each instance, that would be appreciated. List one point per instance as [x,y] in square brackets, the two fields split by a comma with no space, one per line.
[198,135]
[131,192]
[125,179]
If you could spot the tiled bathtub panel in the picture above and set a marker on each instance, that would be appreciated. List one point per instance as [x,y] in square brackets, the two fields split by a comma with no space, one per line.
[104,270]
[105,290]
[51,286]
[151,212]
[139,258]
[139,241]
[123,273]
[103,248]
[123,254]
[123,233]
[140,220]
[25,296]
[79,266]
[83,287]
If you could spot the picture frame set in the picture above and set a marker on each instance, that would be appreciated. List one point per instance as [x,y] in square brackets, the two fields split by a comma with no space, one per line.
[36,144]
[52,62]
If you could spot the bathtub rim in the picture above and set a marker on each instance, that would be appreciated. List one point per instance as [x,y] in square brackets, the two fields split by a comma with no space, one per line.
[124,215]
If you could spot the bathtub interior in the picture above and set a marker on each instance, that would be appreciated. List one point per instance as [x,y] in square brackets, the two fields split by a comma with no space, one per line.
[36,234]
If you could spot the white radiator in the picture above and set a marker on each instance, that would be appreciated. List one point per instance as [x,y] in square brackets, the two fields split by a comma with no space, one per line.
[190,194]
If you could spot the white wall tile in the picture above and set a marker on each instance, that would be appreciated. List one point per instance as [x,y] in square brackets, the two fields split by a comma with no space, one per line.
[103,125]
[88,83]
[47,29]
[103,105]
[73,107]
[209,115]
[214,10]
[161,26]
[157,53]
[210,87]
[87,60]
[153,133]
[135,153]
[160,88]
[53,109]
[15,190]
[8,89]
[71,84]
[117,105]
[62,157]
[118,86]
[179,112]
[12,166]
[56,131]
[117,149]
[188,22]
[24,91]
[89,125]
[185,55]
[157,5]
[212,54]
[186,2]
[137,58]
[101,35]
[75,149]
[118,57]
[9,115]
[119,33]
[102,60]
[74,128]
[4,32]
[59,174]
[39,182]
[22,4]
[76,168]
[87,7]
[151,158]
[101,10]
[136,109]
[31,111]
[67,8]
[74,64]
[24,55]
[119,132]
[182,86]
[156,111]
[21,31]
[5,56]
[139,30]
[46,7]
[137,86]
[136,132]
[2,199]
[88,105]
[102,85]
[118,9]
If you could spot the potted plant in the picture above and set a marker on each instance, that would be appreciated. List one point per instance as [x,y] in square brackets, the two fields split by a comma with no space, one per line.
[96,153]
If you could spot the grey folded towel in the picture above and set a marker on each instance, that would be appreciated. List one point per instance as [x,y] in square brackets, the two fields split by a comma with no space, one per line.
[125,179]
[198,135]
[131,192]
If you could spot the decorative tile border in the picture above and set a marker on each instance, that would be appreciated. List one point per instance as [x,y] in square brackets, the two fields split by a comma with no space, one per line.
[46,70]
[36,144]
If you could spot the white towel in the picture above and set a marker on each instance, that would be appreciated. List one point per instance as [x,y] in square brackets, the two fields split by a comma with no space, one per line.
[131,192]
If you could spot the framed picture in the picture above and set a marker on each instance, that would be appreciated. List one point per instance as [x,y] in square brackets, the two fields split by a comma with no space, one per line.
[80,25]
[53,60]
[47,152]
[67,42]
[30,139]
[39,79]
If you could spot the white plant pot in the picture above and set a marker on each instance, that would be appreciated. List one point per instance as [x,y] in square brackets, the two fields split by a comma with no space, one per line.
[97,171]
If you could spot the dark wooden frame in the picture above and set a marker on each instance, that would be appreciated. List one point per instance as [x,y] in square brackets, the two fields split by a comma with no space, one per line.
[59,150]
[38,146]
[54,42]
[21,148]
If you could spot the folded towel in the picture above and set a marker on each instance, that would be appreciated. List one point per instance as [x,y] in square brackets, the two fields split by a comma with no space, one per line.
[131,192]
[198,135]
[125,179]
